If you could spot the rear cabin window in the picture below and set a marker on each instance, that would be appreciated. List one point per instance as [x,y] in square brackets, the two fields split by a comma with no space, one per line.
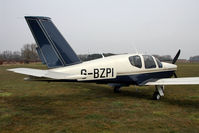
[159,63]
[135,61]
[149,62]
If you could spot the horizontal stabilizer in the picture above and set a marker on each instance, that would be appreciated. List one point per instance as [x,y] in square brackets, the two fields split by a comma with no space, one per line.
[46,74]
[175,81]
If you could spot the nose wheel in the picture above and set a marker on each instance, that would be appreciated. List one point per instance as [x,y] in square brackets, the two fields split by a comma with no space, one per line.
[159,92]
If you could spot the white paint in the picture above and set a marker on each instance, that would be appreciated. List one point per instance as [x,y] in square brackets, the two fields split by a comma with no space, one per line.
[119,64]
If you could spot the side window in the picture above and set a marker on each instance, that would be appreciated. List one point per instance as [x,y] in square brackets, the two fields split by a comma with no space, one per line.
[135,61]
[159,63]
[149,62]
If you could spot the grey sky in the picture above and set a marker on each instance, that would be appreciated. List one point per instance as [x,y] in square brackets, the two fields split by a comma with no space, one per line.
[118,26]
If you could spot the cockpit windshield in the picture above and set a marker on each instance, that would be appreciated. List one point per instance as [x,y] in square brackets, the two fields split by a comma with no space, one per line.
[149,62]
[135,61]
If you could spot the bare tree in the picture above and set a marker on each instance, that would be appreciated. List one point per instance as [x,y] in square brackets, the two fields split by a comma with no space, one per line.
[28,53]
[16,56]
[7,55]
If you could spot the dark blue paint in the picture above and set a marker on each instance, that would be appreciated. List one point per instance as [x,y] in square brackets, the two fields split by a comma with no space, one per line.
[40,55]
[137,79]
[61,45]
[54,48]
[51,58]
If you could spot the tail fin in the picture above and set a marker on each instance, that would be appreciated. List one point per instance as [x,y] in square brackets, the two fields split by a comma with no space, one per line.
[53,49]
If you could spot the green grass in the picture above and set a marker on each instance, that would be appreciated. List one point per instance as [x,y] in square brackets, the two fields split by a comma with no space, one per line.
[41,107]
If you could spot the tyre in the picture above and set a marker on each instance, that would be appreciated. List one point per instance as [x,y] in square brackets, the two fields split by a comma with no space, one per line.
[116,89]
[156,96]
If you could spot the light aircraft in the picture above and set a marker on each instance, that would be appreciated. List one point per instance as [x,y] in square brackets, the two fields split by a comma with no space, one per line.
[117,71]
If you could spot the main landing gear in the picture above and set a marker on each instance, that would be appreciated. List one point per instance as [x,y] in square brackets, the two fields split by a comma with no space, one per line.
[159,92]
[116,89]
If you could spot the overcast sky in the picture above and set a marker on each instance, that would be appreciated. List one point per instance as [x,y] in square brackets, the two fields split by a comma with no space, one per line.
[117,26]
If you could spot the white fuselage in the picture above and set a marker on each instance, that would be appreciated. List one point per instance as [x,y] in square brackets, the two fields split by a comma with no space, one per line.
[111,67]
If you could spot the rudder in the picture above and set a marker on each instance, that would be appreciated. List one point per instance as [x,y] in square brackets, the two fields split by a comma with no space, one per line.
[53,49]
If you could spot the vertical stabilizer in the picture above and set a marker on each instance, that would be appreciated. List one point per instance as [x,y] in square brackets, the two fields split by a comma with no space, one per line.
[53,49]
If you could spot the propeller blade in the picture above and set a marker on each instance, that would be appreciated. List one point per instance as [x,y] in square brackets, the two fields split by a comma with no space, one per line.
[175,75]
[176,57]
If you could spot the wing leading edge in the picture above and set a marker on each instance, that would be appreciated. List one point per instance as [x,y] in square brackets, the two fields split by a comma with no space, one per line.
[175,81]
[46,74]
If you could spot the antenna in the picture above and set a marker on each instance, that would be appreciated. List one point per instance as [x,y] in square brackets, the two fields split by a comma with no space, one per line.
[102,55]
[88,53]
[136,50]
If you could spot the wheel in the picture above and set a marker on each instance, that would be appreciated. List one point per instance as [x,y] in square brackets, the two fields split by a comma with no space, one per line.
[116,89]
[156,96]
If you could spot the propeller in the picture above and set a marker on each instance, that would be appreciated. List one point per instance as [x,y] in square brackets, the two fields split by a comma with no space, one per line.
[176,57]
[174,61]
[174,74]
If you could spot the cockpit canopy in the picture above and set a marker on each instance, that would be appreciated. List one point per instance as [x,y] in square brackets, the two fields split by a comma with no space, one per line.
[135,61]
[148,61]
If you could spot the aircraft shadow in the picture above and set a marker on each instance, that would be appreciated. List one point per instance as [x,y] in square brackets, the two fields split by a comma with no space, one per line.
[146,94]
[40,104]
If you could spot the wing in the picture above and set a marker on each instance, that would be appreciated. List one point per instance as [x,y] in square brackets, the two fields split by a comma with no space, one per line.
[175,81]
[46,74]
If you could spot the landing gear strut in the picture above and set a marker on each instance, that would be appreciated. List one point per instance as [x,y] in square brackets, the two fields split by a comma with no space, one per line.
[159,92]
[117,89]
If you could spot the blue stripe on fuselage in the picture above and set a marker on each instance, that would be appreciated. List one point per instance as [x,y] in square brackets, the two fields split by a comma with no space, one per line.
[136,79]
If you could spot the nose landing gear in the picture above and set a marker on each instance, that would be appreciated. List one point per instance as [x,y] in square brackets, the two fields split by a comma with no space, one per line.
[159,92]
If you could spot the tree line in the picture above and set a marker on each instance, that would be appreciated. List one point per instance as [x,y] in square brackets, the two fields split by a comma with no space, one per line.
[28,54]
[194,58]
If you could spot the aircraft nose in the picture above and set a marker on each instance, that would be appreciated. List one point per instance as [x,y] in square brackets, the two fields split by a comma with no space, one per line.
[170,66]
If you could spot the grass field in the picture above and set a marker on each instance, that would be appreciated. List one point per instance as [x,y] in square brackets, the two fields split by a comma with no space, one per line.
[36,107]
